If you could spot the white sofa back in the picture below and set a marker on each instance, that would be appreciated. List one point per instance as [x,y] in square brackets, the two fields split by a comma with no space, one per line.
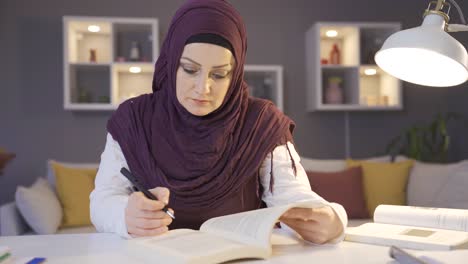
[429,184]
[334,165]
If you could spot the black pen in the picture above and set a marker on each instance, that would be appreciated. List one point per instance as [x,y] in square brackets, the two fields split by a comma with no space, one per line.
[139,187]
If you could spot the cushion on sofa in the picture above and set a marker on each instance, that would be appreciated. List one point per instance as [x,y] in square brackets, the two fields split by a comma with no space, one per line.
[343,187]
[39,207]
[439,185]
[453,193]
[74,186]
[51,172]
[384,183]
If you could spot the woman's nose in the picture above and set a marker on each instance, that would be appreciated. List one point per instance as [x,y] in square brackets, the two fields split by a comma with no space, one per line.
[203,84]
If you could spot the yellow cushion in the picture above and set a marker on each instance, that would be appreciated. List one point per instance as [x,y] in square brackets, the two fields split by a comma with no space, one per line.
[74,186]
[384,183]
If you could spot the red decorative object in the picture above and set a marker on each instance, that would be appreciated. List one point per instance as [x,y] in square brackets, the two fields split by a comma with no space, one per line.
[323,61]
[335,55]
[92,55]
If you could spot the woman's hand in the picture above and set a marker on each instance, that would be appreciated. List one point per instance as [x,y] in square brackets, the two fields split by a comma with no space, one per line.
[144,216]
[316,225]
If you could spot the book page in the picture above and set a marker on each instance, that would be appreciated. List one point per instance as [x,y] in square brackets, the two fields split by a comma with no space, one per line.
[441,218]
[252,227]
[191,246]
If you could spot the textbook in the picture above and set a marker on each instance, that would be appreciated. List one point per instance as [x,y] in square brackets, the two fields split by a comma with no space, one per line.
[413,227]
[243,235]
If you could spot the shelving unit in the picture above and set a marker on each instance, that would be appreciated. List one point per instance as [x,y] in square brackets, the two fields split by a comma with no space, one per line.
[362,85]
[265,81]
[100,65]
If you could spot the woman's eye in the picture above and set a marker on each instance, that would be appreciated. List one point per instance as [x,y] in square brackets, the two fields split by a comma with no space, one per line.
[190,71]
[220,75]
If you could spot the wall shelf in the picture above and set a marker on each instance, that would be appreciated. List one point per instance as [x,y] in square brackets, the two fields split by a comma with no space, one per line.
[103,82]
[265,81]
[96,65]
[362,85]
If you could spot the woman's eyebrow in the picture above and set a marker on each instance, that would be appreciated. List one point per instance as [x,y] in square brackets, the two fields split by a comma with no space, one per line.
[194,62]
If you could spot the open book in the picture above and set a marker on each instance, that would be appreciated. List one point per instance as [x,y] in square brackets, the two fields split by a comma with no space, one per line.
[236,236]
[414,227]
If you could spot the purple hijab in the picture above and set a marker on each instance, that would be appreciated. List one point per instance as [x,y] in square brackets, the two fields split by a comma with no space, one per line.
[203,161]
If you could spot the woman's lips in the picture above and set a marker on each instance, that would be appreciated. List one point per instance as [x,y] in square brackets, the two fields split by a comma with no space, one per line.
[200,102]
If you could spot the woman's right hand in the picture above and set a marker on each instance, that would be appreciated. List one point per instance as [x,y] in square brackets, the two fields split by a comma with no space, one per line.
[144,216]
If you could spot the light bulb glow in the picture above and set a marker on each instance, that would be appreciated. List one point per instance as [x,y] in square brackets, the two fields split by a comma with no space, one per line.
[370,72]
[331,33]
[422,66]
[134,69]
[94,28]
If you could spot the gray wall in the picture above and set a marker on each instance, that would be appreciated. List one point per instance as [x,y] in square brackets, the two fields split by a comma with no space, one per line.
[34,125]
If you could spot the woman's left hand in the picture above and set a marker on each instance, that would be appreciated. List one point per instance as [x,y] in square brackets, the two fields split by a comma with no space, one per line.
[316,225]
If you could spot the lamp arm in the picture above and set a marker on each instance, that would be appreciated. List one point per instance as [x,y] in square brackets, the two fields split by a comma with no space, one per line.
[456,27]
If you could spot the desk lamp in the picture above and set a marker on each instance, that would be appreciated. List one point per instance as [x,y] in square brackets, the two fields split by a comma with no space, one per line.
[427,55]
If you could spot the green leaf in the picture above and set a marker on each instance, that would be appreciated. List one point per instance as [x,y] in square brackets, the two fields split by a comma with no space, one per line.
[429,142]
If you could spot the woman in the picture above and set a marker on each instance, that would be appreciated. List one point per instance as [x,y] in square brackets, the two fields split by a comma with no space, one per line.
[200,143]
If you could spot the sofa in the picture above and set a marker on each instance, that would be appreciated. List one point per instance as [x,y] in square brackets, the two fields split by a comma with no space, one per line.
[431,185]
[426,185]
[29,201]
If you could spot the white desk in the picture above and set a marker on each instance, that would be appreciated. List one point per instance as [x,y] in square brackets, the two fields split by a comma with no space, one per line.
[111,249]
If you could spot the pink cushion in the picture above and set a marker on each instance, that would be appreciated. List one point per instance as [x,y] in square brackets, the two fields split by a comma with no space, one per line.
[344,187]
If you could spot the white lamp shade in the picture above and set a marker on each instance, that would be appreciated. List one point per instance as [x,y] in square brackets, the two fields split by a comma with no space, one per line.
[425,55]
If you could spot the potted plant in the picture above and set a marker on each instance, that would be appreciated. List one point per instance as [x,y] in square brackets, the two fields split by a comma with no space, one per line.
[427,143]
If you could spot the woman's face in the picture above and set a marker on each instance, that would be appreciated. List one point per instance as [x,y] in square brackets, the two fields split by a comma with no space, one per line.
[203,77]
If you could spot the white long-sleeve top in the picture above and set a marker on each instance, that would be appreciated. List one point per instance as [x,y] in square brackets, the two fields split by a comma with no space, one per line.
[112,190]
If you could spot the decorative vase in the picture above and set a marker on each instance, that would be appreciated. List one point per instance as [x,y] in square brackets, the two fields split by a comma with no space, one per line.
[92,55]
[135,51]
[335,55]
[334,92]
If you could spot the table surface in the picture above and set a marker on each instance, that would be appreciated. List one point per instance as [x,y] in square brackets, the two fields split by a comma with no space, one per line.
[110,248]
